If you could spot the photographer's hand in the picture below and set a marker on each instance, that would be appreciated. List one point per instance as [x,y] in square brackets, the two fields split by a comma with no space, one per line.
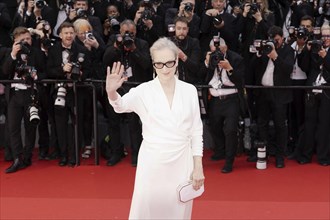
[67,68]
[207,58]
[273,55]
[115,79]
[322,53]
[15,49]
[72,14]
[212,12]
[258,16]
[224,64]
[182,55]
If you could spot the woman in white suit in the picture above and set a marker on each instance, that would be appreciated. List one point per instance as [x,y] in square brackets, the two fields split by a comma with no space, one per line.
[172,148]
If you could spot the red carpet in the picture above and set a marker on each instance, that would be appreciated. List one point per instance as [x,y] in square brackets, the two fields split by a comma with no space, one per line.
[46,191]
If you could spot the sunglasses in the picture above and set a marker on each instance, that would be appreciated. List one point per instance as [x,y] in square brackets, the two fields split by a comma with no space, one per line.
[168,64]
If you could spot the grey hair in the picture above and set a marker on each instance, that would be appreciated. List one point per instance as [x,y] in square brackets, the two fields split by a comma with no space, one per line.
[163,43]
[222,42]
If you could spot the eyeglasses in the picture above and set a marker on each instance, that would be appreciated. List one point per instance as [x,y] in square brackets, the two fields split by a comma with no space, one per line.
[168,64]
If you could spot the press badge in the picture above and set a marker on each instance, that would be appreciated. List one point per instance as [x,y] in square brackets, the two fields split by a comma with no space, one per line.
[128,72]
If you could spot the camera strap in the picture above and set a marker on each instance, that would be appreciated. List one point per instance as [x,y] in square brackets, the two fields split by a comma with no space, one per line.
[219,73]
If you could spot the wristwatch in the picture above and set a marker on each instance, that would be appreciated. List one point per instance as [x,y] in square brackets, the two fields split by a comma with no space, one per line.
[230,72]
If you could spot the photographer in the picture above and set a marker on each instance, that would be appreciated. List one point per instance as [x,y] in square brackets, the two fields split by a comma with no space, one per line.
[111,24]
[134,54]
[317,118]
[37,10]
[41,38]
[186,9]
[273,66]
[85,36]
[223,69]
[149,25]
[216,21]
[23,63]
[66,60]
[298,77]
[78,10]
[189,52]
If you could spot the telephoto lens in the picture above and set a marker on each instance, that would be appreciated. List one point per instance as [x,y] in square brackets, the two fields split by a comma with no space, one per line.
[261,155]
[34,115]
[60,97]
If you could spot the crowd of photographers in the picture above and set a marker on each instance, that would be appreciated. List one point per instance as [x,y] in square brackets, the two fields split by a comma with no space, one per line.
[222,44]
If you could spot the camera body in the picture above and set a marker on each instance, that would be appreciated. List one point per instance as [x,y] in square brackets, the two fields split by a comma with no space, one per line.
[114,23]
[254,8]
[24,47]
[264,46]
[128,40]
[82,13]
[316,45]
[300,33]
[89,35]
[217,20]
[40,4]
[147,14]
[171,30]
[215,57]
[188,7]
[76,66]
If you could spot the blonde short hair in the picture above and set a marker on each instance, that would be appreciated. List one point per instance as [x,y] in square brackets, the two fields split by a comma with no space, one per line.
[82,25]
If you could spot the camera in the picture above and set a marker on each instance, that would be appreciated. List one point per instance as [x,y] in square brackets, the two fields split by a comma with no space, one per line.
[128,40]
[302,33]
[217,20]
[317,33]
[82,13]
[188,7]
[216,56]
[254,8]
[171,30]
[89,35]
[316,45]
[76,66]
[40,4]
[34,114]
[263,46]
[147,14]
[114,23]
[146,4]
[119,40]
[24,47]
[60,96]
[46,41]
[25,71]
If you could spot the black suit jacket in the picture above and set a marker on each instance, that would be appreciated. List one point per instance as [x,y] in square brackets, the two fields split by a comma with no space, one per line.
[54,63]
[139,59]
[282,72]
[190,68]
[35,59]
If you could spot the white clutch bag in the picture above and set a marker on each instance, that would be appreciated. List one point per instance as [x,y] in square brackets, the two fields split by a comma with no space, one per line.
[186,192]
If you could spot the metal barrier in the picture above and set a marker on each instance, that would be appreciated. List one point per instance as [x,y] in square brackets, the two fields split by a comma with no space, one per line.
[90,83]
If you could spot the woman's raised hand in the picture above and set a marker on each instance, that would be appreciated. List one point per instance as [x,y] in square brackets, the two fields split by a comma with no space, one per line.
[115,77]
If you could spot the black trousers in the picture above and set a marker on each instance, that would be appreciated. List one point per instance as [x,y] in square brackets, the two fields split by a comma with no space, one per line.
[113,119]
[267,109]
[317,128]
[18,105]
[223,118]
[296,111]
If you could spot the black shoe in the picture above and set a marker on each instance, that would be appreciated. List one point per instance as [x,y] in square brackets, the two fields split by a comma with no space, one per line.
[216,157]
[279,163]
[72,163]
[63,162]
[228,168]
[18,164]
[324,163]
[43,156]
[53,156]
[303,161]
[114,159]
